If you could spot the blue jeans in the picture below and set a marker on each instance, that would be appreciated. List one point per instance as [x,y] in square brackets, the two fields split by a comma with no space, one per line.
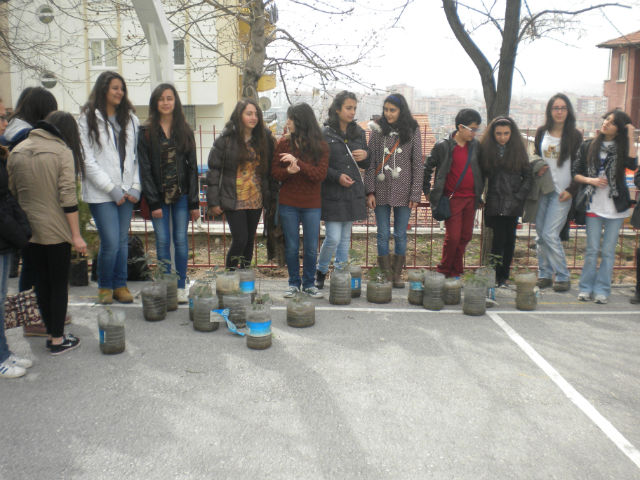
[5,262]
[596,280]
[383,221]
[112,222]
[337,239]
[179,212]
[290,219]
[551,217]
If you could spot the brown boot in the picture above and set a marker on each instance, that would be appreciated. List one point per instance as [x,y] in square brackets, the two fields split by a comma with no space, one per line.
[398,265]
[105,296]
[123,295]
[384,262]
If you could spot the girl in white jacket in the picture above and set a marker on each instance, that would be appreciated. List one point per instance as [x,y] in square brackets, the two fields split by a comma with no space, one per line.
[111,184]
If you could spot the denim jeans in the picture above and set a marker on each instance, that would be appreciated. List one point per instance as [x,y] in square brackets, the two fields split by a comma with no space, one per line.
[5,262]
[290,219]
[551,217]
[112,222]
[596,280]
[383,221]
[180,214]
[337,239]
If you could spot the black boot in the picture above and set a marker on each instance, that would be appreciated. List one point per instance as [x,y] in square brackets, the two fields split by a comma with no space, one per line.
[319,283]
[636,298]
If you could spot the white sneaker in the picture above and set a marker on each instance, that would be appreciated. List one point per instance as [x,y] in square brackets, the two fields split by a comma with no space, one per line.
[584,296]
[601,299]
[183,295]
[314,292]
[21,362]
[10,370]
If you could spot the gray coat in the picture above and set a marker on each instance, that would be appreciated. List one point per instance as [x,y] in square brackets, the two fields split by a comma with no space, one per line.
[541,186]
[344,204]
[440,159]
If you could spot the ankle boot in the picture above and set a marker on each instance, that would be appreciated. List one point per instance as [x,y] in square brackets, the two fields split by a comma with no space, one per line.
[384,262]
[320,277]
[398,265]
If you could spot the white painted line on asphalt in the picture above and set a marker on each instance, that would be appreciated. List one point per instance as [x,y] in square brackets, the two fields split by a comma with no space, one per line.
[582,403]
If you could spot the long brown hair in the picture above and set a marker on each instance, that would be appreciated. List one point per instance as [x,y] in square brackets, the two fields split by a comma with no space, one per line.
[181,132]
[307,135]
[567,147]
[68,128]
[98,101]
[515,157]
[259,137]
[620,120]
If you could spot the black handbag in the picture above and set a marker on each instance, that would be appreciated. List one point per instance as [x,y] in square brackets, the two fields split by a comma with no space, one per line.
[443,209]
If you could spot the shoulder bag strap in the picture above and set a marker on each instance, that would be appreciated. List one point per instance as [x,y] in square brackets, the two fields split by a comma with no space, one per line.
[463,171]
[387,157]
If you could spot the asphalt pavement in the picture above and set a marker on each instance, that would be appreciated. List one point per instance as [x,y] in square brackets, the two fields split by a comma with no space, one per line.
[370,391]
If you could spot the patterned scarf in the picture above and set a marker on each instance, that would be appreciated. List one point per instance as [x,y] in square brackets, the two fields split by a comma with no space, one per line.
[610,163]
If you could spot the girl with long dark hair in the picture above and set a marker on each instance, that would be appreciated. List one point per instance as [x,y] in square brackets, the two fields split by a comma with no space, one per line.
[394,179]
[343,194]
[239,178]
[300,162]
[506,164]
[557,142]
[169,177]
[600,168]
[42,172]
[111,184]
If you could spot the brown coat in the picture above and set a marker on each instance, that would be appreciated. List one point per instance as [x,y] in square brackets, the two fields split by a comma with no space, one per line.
[42,178]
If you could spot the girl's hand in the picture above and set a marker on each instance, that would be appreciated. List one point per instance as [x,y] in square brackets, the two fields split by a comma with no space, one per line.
[359,155]
[599,182]
[565,196]
[157,213]
[542,170]
[122,200]
[345,181]
[287,158]
[131,199]
[293,168]
[79,245]
[371,200]
[195,215]
[217,211]
[413,205]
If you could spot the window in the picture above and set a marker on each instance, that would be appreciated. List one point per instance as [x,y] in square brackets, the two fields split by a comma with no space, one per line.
[178,52]
[190,115]
[608,72]
[48,80]
[45,14]
[622,68]
[104,53]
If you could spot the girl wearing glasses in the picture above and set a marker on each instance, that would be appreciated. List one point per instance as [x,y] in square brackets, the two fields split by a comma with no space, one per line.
[394,179]
[557,142]
[506,164]
[600,168]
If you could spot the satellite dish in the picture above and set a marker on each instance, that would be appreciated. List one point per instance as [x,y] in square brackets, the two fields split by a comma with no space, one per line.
[265,103]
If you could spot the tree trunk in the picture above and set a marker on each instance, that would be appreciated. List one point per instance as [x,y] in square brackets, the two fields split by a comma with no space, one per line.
[258,51]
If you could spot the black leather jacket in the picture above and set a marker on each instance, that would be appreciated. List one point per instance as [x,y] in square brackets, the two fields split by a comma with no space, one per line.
[15,230]
[507,192]
[344,204]
[150,160]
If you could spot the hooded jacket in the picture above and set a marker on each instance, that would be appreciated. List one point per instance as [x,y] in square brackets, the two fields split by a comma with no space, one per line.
[17,131]
[344,204]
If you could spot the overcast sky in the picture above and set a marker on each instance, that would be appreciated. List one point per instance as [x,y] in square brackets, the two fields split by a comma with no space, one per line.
[423,51]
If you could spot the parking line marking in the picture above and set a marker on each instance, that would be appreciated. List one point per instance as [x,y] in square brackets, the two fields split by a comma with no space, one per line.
[582,403]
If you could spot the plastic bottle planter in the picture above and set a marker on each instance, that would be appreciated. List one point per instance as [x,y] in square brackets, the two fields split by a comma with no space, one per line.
[226,284]
[433,291]
[356,280]
[416,287]
[247,278]
[202,307]
[525,291]
[259,327]
[489,274]
[192,296]
[154,301]
[452,288]
[379,292]
[301,312]
[238,304]
[172,292]
[475,300]
[111,326]
[340,287]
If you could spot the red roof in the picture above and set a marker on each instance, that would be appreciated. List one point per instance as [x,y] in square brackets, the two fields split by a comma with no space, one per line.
[624,41]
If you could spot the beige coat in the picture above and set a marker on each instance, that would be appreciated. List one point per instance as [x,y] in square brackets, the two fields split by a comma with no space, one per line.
[42,178]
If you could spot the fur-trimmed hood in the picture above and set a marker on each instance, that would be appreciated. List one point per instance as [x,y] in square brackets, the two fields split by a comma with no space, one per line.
[375,127]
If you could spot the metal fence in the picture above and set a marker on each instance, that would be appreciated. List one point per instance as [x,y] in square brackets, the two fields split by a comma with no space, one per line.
[209,241]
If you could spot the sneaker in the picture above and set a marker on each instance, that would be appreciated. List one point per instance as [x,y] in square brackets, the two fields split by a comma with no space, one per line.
[319,283]
[561,286]
[69,342]
[10,370]
[291,291]
[584,296]
[544,283]
[123,295]
[183,295]
[601,299]
[47,344]
[636,298]
[503,283]
[314,292]
[20,362]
